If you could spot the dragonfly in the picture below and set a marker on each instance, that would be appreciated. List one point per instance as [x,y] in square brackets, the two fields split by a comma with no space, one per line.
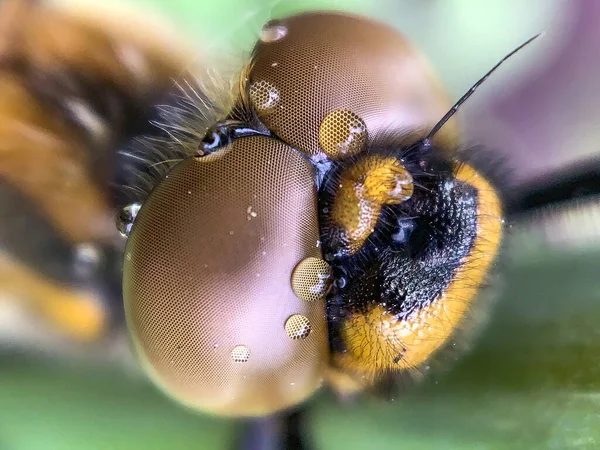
[70,270]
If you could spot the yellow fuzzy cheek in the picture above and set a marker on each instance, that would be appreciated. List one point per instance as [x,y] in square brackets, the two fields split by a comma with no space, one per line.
[364,188]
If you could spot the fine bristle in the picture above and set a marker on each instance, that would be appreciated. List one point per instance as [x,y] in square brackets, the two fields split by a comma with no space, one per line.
[174,129]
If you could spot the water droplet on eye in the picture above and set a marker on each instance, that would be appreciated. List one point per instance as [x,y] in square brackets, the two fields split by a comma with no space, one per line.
[342,133]
[297,326]
[311,279]
[240,354]
[273,33]
[264,96]
[126,218]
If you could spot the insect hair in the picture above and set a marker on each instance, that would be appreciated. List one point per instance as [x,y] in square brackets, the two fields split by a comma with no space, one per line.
[173,131]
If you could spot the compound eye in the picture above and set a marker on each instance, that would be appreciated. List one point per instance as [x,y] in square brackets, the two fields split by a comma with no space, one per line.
[224,281]
[329,82]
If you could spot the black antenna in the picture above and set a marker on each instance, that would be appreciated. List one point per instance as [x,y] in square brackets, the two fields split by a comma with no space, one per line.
[427,141]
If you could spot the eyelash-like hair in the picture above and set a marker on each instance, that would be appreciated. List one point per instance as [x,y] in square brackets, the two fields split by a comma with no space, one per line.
[173,131]
[174,128]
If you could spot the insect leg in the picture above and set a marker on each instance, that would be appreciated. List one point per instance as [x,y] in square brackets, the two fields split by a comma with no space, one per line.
[285,431]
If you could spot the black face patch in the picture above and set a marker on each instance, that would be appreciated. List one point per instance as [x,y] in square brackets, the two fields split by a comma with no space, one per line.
[406,275]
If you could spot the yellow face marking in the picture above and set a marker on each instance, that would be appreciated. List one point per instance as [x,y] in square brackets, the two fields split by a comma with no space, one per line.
[364,189]
[74,314]
[377,340]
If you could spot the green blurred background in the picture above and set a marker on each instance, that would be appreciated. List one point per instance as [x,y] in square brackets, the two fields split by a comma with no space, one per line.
[532,379]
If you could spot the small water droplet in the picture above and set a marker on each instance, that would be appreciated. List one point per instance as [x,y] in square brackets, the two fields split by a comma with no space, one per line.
[298,326]
[273,33]
[311,279]
[342,133]
[240,353]
[126,218]
[264,95]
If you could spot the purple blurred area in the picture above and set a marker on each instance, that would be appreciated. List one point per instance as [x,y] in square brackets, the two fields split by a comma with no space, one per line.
[549,118]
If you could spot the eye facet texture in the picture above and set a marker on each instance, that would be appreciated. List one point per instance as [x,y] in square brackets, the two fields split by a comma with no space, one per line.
[208,286]
[225,285]
[339,78]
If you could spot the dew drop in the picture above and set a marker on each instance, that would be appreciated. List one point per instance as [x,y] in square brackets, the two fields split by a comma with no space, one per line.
[297,326]
[126,218]
[264,96]
[311,279]
[240,354]
[273,33]
[342,133]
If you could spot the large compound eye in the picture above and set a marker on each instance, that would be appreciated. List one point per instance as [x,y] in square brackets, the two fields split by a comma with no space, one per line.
[330,82]
[217,269]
